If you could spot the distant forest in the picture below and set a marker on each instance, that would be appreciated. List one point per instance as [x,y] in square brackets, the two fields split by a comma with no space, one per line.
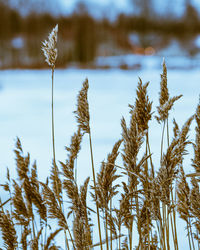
[81,36]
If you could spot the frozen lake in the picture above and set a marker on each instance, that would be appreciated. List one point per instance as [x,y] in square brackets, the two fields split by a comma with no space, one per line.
[25,111]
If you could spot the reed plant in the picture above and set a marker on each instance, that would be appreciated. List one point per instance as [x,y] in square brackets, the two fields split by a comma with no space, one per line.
[136,203]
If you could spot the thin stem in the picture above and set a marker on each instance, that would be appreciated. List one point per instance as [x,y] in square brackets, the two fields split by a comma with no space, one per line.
[172,226]
[75,172]
[29,228]
[190,227]
[130,233]
[119,238]
[149,247]
[189,236]
[45,234]
[162,140]
[167,226]
[53,144]
[107,245]
[162,236]
[163,225]
[197,239]
[174,218]
[158,228]
[111,228]
[11,211]
[97,207]
[52,116]
[33,227]
[174,231]
[167,132]
[163,205]
[146,194]
[152,167]
[138,218]
[66,240]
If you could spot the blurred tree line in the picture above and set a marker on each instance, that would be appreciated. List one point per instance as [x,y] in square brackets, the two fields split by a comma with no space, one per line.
[81,36]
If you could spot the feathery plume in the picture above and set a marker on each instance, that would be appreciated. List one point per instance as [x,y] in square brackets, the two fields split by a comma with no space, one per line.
[195,206]
[50,238]
[8,231]
[164,94]
[73,149]
[49,47]
[133,140]
[20,210]
[56,182]
[54,210]
[196,160]
[142,107]
[171,160]
[22,162]
[166,103]
[105,178]
[176,128]
[183,193]
[163,110]
[82,112]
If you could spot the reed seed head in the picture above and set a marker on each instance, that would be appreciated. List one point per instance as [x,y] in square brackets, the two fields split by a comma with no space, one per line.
[195,205]
[8,232]
[196,160]
[183,193]
[164,94]
[82,112]
[142,107]
[49,47]
[165,102]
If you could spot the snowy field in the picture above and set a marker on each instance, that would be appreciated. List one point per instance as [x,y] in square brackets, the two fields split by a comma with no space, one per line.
[25,111]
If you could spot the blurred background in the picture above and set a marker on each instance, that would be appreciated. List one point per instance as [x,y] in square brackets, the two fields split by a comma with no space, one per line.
[111,42]
[100,33]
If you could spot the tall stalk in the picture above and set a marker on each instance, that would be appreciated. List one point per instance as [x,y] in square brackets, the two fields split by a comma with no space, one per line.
[173,219]
[119,242]
[111,228]
[94,179]
[50,52]
[163,221]
[52,115]
[83,119]
[131,232]
[162,141]
[190,229]
[138,218]
[146,194]
[106,230]
[53,144]
[151,162]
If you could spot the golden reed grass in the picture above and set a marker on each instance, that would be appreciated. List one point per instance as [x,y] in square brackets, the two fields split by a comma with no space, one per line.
[136,207]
